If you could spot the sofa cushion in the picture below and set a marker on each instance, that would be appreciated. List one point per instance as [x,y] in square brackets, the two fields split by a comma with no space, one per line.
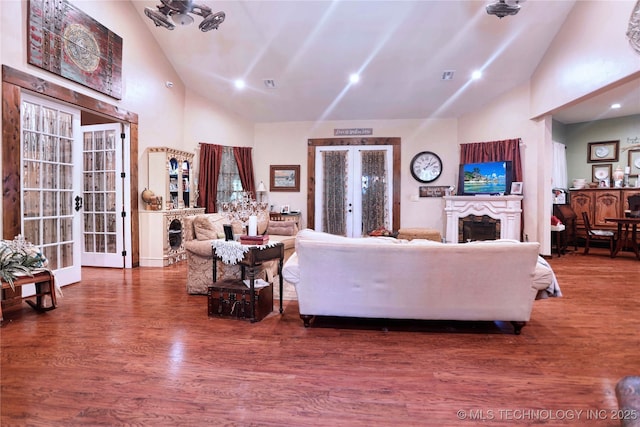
[208,229]
[282,228]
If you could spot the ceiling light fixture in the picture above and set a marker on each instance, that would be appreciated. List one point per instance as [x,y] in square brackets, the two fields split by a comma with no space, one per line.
[354,78]
[172,12]
[615,106]
[502,8]
[240,84]
[448,75]
[476,75]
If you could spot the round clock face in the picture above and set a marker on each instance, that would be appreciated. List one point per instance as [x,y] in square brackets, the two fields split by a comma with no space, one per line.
[426,166]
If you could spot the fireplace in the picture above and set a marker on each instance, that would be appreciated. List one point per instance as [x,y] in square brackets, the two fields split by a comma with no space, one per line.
[482,218]
[478,227]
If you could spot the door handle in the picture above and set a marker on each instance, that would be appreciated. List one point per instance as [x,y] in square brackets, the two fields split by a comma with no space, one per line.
[78,200]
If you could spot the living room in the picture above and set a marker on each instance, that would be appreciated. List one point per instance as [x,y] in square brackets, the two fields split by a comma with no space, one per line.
[524,112]
[150,360]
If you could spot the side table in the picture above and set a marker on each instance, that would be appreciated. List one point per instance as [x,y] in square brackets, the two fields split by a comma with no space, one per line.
[254,256]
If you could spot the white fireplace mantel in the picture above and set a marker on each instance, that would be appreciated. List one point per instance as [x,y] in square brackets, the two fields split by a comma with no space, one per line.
[506,209]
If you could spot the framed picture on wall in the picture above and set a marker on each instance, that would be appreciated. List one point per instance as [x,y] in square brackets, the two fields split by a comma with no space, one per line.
[284,178]
[601,174]
[602,152]
[634,162]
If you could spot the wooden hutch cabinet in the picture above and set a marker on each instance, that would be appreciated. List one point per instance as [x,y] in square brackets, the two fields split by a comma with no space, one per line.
[600,203]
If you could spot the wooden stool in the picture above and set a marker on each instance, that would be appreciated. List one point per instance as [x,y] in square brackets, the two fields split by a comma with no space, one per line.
[45,285]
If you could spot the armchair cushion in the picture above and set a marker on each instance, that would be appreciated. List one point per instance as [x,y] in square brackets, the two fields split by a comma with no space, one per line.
[282,228]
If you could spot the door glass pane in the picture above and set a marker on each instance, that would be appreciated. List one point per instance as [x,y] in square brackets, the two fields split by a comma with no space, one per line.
[100,191]
[47,153]
[374,191]
[335,167]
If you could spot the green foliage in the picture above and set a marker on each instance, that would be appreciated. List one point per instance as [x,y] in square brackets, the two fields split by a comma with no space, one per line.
[15,261]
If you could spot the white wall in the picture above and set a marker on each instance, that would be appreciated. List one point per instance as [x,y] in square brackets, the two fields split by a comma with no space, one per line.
[286,143]
[589,52]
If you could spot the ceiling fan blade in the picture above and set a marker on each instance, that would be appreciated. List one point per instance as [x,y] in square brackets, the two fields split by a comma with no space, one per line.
[158,18]
[212,21]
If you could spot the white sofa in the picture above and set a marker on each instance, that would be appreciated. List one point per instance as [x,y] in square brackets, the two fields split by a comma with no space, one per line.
[382,277]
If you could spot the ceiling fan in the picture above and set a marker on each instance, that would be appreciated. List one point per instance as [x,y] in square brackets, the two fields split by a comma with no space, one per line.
[172,12]
[502,8]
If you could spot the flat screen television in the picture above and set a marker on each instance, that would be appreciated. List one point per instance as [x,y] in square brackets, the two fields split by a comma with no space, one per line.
[485,178]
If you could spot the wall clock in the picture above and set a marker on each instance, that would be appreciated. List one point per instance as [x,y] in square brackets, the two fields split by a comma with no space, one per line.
[426,166]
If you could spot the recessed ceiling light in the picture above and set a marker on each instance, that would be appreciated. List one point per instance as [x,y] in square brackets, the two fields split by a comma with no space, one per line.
[354,78]
[447,75]
[240,84]
[615,106]
[476,75]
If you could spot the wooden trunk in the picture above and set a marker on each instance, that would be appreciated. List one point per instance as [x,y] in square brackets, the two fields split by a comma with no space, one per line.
[232,299]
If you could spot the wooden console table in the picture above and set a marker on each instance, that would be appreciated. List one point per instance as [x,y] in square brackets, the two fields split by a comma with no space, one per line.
[45,285]
[253,258]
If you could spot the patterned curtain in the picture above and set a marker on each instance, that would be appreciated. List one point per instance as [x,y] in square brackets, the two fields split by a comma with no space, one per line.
[229,182]
[334,165]
[374,191]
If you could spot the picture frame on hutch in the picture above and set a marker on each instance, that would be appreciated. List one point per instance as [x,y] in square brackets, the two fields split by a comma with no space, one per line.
[603,152]
[634,163]
[600,174]
[284,178]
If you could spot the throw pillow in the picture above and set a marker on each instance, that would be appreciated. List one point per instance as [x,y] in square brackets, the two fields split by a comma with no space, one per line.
[282,228]
[205,229]
[263,222]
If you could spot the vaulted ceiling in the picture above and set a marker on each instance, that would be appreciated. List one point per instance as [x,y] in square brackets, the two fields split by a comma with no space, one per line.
[401,49]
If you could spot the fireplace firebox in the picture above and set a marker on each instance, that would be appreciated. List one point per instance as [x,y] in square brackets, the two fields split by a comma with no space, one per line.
[478,227]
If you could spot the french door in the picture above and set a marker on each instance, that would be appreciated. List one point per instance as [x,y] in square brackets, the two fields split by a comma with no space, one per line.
[50,184]
[103,224]
[354,189]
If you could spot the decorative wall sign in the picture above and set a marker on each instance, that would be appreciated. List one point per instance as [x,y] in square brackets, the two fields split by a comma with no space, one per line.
[434,190]
[65,41]
[353,132]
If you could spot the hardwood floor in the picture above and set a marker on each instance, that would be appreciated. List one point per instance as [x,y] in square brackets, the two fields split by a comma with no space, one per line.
[132,347]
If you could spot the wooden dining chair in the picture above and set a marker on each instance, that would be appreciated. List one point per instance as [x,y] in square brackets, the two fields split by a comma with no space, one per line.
[634,205]
[597,234]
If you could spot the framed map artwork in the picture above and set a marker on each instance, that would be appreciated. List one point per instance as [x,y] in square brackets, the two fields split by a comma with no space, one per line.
[65,41]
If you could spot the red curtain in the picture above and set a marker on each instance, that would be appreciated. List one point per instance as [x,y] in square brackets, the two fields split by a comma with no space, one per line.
[245,169]
[210,161]
[494,151]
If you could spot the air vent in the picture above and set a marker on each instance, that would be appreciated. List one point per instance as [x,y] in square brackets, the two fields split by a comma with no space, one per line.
[270,83]
[448,74]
